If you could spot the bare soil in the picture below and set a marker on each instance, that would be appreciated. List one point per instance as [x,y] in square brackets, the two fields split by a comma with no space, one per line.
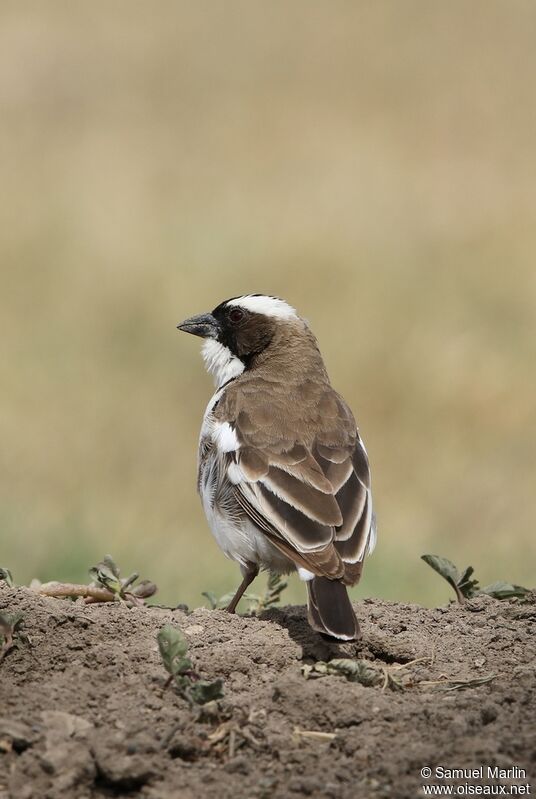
[84,713]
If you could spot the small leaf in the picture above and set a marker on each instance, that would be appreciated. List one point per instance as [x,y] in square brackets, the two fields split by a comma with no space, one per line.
[110,564]
[276,586]
[355,670]
[105,576]
[442,566]
[394,682]
[467,588]
[464,588]
[360,671]
[204,691]
[212,598]
[271,597]
[129,580]
[5,576]
[500,590]
[144,589]
[466,575]
[173,647]
[224,600]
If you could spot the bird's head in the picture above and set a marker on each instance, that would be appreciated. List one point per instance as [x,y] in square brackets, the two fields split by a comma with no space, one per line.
[238,330]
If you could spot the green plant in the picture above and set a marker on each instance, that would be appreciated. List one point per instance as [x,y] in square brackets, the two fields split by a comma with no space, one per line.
[272,595]
[107,586]
[107,575]
[257,602]
[396,676]
[360,671]
[369,674]
[465,586]
[216,602]
[173,648]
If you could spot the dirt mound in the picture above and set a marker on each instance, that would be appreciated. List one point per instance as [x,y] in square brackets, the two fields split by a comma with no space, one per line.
[84,713]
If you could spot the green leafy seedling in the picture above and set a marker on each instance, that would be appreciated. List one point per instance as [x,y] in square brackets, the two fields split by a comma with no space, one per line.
[5,576]
[257,602]
[272,596]
[465,587]
[107,586]
[216,603]
[362,671]
[359,671]
[355,670]
[213,600]
[173,648]
[107,575]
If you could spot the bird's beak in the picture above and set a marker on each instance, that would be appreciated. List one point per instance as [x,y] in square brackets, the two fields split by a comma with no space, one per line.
[204,325]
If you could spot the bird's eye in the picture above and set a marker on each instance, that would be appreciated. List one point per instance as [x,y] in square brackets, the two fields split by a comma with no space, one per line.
[236,315]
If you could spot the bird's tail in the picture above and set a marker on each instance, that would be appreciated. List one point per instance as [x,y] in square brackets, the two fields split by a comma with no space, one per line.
[330,611]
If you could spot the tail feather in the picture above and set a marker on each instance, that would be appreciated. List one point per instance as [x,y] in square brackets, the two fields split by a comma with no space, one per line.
[330,611]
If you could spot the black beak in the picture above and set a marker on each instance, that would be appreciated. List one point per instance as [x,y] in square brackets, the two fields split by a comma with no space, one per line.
[204,325]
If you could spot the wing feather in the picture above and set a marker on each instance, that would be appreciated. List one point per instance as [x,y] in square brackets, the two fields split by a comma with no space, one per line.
[351,499]
[309,494]
[318,505]
[353,548]
[305,534]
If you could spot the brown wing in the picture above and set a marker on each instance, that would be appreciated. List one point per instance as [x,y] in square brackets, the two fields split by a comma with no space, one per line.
[306,486]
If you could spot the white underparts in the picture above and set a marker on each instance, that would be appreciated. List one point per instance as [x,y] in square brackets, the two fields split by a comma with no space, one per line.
[220,361]
[305,574]
[269,306]
[224,436]
[235,474]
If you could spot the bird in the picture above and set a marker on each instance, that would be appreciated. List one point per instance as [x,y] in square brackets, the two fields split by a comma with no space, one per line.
[283,473]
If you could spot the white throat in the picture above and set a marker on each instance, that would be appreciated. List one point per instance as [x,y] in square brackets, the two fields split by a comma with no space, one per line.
[220,362]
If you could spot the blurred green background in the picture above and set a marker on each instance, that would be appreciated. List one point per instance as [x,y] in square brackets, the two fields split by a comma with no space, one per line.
[374,163]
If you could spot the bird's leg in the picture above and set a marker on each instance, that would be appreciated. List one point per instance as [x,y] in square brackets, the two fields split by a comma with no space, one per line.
[250,571]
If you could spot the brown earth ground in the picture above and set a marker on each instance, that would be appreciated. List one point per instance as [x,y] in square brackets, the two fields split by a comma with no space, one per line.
[84,713]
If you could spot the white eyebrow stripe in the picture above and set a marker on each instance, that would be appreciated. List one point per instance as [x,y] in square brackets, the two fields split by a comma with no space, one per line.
[269,306]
